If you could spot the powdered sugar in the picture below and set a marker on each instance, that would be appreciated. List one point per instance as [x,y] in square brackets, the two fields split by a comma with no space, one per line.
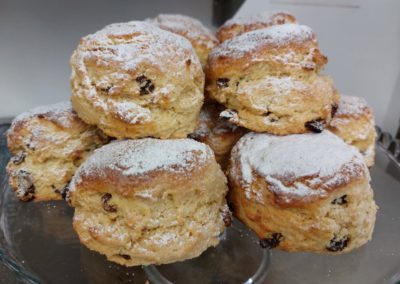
[188,27]
[130,112]
[139,157]
[134,43]
[300,165]
[61,113]
[278,36]
[352,106]
[266,18]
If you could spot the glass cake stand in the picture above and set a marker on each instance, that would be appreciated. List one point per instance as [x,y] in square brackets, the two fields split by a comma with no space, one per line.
[38,243]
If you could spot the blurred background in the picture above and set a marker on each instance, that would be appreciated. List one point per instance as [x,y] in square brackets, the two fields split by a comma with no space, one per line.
[360,37]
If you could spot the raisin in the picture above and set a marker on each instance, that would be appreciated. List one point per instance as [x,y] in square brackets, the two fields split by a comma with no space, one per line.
[107,207]
[125,256]
[334,109]
[272,241]
[228,114]
[145,84]
[25,187]
[337,244]
[340,200]
[222,82]
[316,126]
[188,62]
[227,218]
[19,158]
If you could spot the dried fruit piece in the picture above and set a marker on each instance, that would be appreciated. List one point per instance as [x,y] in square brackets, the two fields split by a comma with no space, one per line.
[222,83]
[316,126]
[334,109]
[145,84]
[107,207]
[338,244]
[272,241]
[340,200]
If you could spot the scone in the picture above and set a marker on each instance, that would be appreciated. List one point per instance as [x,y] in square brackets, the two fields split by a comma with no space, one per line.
[201,38]
[269,80]
[217,133]
[135,80]
[303,192]
[150,201]
[354,122]
[237,26]
[47,145]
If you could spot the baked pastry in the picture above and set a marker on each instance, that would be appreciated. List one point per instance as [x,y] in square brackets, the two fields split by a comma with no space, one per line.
[135,80]
[354,122]
[47,145]
[303,192]
[217,133]
[268,80]
[201,38]
[237,26]
[150,201]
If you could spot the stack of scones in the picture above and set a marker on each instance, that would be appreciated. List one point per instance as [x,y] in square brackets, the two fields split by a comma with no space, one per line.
[168,123]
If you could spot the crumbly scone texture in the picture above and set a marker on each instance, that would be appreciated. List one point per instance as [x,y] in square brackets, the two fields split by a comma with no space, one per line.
[47,145]
[237,26]
[269,80]
[135,80]
[201,38]
[149,201]
[354,122]
[304,192]
[217,133]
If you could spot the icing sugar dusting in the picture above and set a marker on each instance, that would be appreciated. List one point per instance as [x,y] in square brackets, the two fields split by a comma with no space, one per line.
[138,157]
[61,112]
[354,106]
[130,112]
[186,26]
[298,165]
[278,35]
[134,43]
[267,18]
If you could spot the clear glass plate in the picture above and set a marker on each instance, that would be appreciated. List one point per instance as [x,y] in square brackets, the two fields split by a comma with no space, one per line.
[37,242]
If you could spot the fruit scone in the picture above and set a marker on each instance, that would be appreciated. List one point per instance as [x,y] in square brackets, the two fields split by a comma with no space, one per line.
[269,80]
[47,145]
[217,133]
[302,192]
[150,201]
[201,38]
[135,80]
[240,25]
[354,122]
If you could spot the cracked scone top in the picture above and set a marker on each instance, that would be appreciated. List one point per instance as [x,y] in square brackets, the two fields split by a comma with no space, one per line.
[237,26]
[135,80]
[354,122]
[269,81]
[201,38]
[150,201]
[302,192]
[47,144]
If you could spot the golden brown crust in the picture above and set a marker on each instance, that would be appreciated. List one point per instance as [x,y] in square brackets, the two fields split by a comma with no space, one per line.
[48,144]
[354,122]
[149,201]
[201,38]
[125,81]
[307,192]
[269,80]
[238,26]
